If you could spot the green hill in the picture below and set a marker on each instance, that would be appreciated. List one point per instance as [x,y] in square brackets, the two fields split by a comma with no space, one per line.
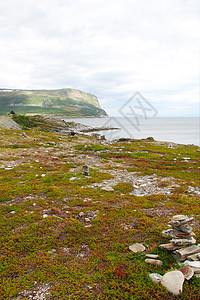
[63,102]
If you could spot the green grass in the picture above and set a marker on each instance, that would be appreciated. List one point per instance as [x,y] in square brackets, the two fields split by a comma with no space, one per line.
[82,259]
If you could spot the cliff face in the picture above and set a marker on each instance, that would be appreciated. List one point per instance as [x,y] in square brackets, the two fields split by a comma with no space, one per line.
[65,102]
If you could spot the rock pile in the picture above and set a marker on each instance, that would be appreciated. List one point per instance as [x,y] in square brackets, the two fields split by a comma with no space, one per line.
[86,170]
[183,241]
[181,233]
[183,246]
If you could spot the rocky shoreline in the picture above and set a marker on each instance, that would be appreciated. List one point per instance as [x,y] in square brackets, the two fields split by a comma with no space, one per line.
[57,125]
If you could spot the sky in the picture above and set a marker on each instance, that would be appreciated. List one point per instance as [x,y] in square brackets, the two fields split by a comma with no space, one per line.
[109,48]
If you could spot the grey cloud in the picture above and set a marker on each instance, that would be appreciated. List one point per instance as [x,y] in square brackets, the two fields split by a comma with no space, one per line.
[109,48]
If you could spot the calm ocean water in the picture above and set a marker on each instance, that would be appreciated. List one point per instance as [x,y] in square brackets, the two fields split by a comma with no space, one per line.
[178,130]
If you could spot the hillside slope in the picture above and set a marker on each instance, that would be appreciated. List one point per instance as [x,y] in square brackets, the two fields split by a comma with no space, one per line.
[65,102]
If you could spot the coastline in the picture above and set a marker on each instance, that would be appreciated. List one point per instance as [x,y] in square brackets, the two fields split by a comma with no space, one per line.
[58,124]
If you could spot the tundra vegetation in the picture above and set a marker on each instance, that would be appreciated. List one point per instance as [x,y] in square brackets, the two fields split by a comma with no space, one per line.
[61,231]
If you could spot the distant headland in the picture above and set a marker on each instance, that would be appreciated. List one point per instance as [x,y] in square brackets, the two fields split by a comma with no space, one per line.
[61,102]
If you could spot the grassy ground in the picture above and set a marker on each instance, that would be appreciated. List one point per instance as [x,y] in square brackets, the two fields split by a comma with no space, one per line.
[63,235]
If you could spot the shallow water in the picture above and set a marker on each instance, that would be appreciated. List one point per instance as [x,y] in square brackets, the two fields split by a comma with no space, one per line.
[178,130]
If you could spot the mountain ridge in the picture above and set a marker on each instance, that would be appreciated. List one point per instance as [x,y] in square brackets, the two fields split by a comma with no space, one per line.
[65,102]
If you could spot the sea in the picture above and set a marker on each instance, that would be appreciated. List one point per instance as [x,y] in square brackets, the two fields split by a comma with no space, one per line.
[170,129]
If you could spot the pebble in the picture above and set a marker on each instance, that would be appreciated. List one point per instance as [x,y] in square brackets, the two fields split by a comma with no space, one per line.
[173,282]
[154,256]
[155,277]
[45,216]
[87,220]
[81,214]
[73,178]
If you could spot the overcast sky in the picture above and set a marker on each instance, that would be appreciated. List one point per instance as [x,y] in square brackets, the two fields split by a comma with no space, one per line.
[110,48]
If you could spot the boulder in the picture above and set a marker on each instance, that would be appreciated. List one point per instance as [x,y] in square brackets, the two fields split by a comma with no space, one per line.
[173,282]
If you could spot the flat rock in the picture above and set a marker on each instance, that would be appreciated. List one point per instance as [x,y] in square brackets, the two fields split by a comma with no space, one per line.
[169,247]
[155,277]
[180,234]
[185,228]
[187,271]
[194,257]
[154,256]
[173,282]
[107,189]
[137,247]
[184,242]
[139,193]
[178,218]
[185,252]
[193,264]
[155,262]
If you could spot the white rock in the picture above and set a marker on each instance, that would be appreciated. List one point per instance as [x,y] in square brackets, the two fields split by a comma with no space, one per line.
[107,188]
[137,247]
[195,264]
[154,256]
[155,277]
[173,282]
[45,216]
[73,178]
[81,214]
[87,220]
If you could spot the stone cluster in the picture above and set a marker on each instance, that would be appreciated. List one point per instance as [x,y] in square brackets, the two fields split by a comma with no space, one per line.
[183,243]
[181,233]
[183,246]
